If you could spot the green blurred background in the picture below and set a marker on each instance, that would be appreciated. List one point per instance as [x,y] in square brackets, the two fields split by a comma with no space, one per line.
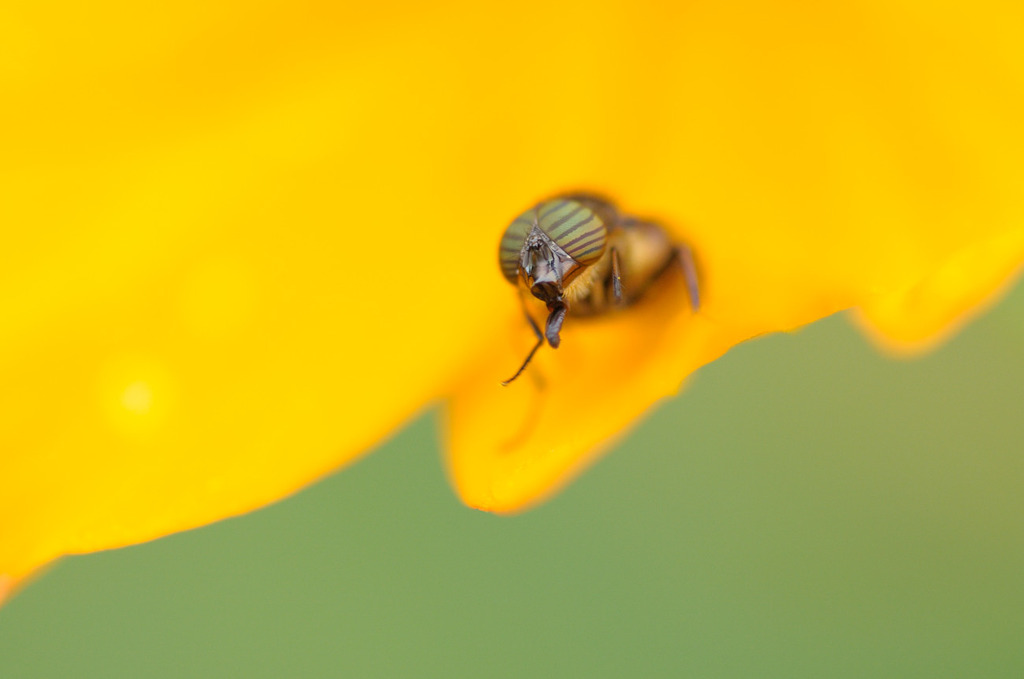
[806,508]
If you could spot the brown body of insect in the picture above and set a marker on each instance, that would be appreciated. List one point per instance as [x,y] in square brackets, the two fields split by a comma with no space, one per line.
[582,257]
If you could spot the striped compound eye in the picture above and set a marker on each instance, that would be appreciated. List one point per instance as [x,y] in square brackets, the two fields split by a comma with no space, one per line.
[570,225]
[575,228]
[512,242]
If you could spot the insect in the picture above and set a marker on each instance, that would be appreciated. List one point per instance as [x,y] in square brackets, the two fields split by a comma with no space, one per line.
[582,257]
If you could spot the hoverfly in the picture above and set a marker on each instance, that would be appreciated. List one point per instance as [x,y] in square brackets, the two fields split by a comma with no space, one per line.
[582,257]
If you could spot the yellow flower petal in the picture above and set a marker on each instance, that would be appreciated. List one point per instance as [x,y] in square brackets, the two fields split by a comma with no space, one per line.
[926,312]
[244,242]
[208,309]
[822,159]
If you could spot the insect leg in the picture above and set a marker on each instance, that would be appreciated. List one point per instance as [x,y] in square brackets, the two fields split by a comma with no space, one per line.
[616,277]
[685,258]
[540,341]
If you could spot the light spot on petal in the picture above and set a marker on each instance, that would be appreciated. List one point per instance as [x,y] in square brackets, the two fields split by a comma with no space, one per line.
[135,395]
[137,398]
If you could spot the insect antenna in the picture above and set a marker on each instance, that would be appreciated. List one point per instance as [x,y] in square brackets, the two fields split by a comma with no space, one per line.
[529,357]
[525,363]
